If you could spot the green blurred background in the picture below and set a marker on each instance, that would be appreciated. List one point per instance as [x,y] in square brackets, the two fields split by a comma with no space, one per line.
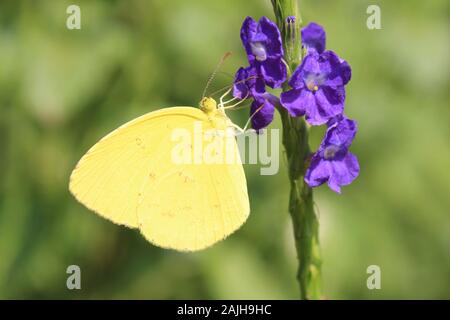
[61,90]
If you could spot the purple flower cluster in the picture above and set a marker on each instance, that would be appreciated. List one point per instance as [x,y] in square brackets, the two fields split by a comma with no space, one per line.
[262,42]
[318,93]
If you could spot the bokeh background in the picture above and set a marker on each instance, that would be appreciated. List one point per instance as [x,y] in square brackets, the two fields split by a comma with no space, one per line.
[61,90]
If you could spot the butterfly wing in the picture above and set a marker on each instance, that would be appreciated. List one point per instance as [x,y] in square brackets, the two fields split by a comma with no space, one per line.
[109,177]
[130,178]
[193,206]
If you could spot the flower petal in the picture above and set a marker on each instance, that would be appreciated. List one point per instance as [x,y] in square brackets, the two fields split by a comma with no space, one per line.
[341,132]
[248,31]
[296,81]
[346,71]
[338,70]
[247,83]
[328,103]
[274,72]
[262,110]
[314,37]
[297,101]
[240,88]
[273,37]
[343,172]
[310,65]
[318,171]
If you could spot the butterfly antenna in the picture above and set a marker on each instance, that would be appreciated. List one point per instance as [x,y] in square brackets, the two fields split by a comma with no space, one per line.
[211,77]
[229,75]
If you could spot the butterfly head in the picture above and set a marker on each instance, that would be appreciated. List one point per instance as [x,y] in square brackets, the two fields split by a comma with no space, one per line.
[208,105]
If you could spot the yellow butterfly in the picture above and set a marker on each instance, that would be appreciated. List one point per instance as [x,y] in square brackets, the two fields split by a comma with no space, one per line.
[130,178]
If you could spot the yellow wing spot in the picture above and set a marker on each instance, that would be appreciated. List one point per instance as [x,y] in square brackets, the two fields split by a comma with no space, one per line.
[185,177]
[140,198]
[168,213]
[140,143]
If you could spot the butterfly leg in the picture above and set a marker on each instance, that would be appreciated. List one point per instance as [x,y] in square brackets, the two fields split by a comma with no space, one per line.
[247,124]
[251,117]
[223,97]
[228,101]
[236,104]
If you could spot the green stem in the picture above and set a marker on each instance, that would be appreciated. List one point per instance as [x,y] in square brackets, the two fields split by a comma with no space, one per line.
[295,142]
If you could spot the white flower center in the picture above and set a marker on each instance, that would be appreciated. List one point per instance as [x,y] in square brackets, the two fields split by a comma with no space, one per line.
[330,152]
[259,50]
[313,81]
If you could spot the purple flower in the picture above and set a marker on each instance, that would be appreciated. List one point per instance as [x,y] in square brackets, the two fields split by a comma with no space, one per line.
[262,42]
[333,163]
[249,84]
[314,38]
[262,110]
[318,88]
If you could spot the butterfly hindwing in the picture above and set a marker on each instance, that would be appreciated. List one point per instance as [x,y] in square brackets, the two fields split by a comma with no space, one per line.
[208,203]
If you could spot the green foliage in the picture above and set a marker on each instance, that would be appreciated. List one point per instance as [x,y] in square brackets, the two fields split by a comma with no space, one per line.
[62,90]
